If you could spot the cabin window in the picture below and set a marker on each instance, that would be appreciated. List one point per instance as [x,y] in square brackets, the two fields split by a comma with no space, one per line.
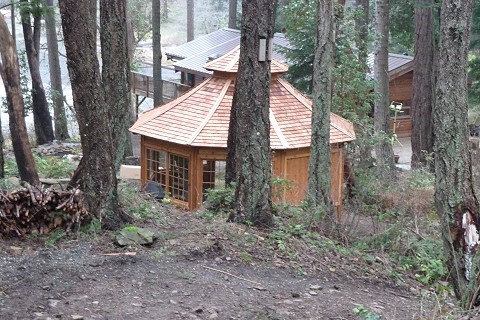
[170,171]
[213,176]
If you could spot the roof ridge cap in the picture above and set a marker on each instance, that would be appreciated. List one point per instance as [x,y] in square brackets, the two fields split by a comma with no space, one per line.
[158,111]
[346,132]
[276,128]
[212,111]
[297,94]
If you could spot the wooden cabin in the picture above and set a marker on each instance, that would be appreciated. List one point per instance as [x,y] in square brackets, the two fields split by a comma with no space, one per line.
[184,142]
[400,72]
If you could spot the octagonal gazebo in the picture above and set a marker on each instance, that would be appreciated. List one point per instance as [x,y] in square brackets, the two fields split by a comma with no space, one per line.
[184,142]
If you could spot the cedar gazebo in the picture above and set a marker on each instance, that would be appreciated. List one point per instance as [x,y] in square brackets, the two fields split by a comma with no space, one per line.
[184,142]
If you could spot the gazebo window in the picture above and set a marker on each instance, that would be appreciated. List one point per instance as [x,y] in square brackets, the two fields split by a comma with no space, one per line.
[213,175]
[157,166]
[171,175]
[178,177]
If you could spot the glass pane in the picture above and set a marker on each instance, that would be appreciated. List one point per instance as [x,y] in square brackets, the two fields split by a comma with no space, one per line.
[156,166]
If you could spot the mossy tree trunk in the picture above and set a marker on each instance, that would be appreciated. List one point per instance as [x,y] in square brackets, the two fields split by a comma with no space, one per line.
[59,119]
[41,114]
[319,171]
[423,83]
[381,116]
[10,73]
[455,199]
[96,174]
[157,54]
[251,105]
[116,75]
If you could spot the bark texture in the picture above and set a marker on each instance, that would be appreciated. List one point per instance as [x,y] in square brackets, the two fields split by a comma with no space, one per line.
[381,117]
[116,75]
[455,199]
[251,104]
[41,115]
[96,171]
[319,171]
[9,70]
[157,55]
[423,83]
[59,119]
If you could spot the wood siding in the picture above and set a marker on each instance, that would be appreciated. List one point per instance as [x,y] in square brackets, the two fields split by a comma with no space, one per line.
[401,90]
[286,164]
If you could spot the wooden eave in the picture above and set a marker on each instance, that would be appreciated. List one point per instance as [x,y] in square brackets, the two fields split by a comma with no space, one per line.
[398,72]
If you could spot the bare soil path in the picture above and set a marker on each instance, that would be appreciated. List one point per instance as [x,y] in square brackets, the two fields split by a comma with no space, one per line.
[209,271]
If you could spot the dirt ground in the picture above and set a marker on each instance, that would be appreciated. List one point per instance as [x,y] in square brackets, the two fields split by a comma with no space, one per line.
[198,269]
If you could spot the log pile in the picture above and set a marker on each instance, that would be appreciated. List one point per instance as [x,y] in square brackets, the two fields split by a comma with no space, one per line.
[32,210]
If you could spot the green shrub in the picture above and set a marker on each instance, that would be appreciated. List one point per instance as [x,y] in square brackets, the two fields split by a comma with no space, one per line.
[219,202]
[53,167]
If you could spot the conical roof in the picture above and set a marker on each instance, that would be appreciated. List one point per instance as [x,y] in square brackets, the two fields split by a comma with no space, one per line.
[229,63]
[201,116]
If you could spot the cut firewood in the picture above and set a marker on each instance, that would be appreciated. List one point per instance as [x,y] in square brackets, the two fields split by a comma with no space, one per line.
[37,210]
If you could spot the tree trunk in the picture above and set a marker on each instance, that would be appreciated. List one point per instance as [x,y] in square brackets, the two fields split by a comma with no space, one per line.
[361,24]
[381,118]
[96,173]
[280,15]
[363,133]
[190,20]
[165,9]
[423,83]
[157,55]
[10,73]
[319,171]
[455,199]
[13,22]
[41,115]
[251,104]
[116,75]
[60,119]
[232,14]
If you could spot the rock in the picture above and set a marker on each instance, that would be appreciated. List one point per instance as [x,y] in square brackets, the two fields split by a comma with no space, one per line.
[213,316]
[316,287]
[52,303]
[134,235]
[15,250]
[76,317]
[295,295]
[313,293]
[198,309]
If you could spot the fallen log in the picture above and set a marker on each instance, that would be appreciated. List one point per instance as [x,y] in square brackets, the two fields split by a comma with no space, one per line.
[33,210]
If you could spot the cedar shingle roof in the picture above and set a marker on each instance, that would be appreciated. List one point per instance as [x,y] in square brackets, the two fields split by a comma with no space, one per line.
[201,116]
[229,63]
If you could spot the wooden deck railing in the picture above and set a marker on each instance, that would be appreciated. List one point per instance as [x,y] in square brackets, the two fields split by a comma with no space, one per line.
[142,85]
